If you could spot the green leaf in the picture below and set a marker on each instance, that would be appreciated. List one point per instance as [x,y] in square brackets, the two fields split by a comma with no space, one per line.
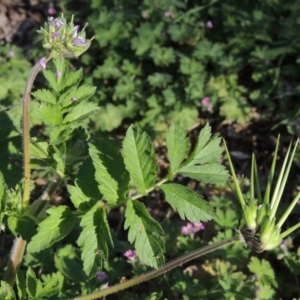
[178,145]
[55,227]
[109,117]
[94,239]
[110,173]
[78,198]
[186,116]
[81,94]
[39,149]
[22,226]
[44,96]
[236,109]
[88,187]
[140,158]
[61,66]
[208,173]
[207,150]
[51,285]
[69,263]
[36,289]
[188,203]
[6,291]
[71,79]
[80,112]
[50,114]
[265,292]
[21,284]
[3,197]
[31,283]
[207,153]
[52,79]
[146,233]
[60,134]
[263,270]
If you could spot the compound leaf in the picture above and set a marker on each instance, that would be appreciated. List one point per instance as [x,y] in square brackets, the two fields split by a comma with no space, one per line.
[178,145]
[94,239]
[140,158]
[146,233]
[188,203]
[208,173]
[55,227]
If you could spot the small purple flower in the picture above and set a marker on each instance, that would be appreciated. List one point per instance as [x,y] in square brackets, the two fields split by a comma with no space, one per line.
[130,254]
[79,41]
[55,35]
[74,99]
[206,103]
[101,275]
[199,225]
[42,64]
[75,30]
[167,14]
[58,73]
[191,228]
[51,10]
[209,24]
[284,243]
[58,23]
[188,229]
[11,53]
[254,277]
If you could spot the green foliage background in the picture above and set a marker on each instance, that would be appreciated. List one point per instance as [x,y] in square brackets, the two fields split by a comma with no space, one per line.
[153,62]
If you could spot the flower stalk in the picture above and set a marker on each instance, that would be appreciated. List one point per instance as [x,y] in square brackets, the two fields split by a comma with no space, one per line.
[154,273]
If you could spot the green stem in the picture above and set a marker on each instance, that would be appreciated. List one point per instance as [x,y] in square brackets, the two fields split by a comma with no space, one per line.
[26,136]
[154,273]
[19,245]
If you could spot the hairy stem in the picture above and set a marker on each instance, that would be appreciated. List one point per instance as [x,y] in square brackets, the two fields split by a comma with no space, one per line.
[26,136]
[19,245]
[18,249]
[154,273]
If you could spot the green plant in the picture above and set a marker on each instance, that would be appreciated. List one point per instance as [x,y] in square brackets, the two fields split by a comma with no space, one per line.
[103,176]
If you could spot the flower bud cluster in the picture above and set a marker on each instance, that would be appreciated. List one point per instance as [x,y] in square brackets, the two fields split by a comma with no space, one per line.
[260,232]
[64,39]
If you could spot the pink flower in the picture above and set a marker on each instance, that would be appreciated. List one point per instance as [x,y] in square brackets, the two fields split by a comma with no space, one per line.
[167,14]
[75,30]
[130,254]
[206,103]
[56,22]
[209,24]
[79,41]
[55,35]
[191,228]
[51,10]
[284,243]
[101,275]
[199,225]
[42,64]
[58,73]
[73,99]
[11,53]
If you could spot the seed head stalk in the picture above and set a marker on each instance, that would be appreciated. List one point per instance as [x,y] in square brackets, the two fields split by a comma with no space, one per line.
[26,127]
